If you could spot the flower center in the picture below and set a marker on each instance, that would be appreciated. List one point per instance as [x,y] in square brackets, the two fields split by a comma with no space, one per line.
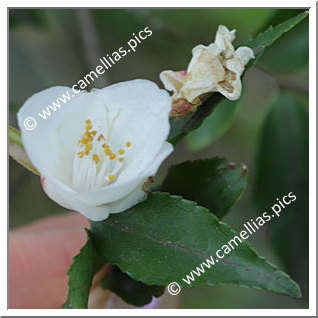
[97,162]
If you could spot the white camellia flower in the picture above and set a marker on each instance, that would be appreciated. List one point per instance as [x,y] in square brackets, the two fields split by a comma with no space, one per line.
[214,68]
[96,152]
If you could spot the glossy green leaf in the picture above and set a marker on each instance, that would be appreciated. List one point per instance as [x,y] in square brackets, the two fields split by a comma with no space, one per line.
[86,264]
[267,38]
[164,238]
[213,127]
[131,291]
[17,152]
[214,183]
[278,57]
[282,167]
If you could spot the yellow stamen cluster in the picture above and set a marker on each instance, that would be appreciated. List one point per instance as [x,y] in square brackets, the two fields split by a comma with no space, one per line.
[109,152]
[86,141]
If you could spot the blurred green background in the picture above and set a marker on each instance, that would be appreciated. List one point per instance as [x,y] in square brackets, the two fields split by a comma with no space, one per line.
[267,129]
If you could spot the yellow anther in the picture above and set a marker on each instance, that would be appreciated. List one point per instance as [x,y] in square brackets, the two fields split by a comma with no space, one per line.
[95,157]
[128,144]
[121,151]
[93,132]
[80,154]
[84,141]
[100,137]
[88,127]
[88,122]
[86,152]
[121,159]
[89,147]
[105,146]
[108,152]
[112,156]
[111,178]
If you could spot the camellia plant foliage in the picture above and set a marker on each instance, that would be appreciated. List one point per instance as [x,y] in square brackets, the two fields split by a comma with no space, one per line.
[97,156]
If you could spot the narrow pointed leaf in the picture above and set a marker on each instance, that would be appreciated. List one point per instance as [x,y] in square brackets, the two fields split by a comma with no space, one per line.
[296,41]
[267,38]
[86,264]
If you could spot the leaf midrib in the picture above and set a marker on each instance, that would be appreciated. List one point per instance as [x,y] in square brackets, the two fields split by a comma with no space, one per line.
[169,243]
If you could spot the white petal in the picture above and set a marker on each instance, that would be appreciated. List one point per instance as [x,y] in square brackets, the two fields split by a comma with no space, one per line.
[233,95]
[55,193]
[163,153]
[224,38]
[72,202]
[245,54]
[118,190]
[97,205]
[204,72]
[196,53]
[172,81]
[51,145]
[237,65]
[133,198]
[143,120]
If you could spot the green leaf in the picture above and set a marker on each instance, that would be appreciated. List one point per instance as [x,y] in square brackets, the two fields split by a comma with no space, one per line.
[164,238]
[278,16]
[181,127]
[267,38]
[282,167]
[278,57]
[131,291]
[86,264]
[214,183]
[17,152]
[213,127]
